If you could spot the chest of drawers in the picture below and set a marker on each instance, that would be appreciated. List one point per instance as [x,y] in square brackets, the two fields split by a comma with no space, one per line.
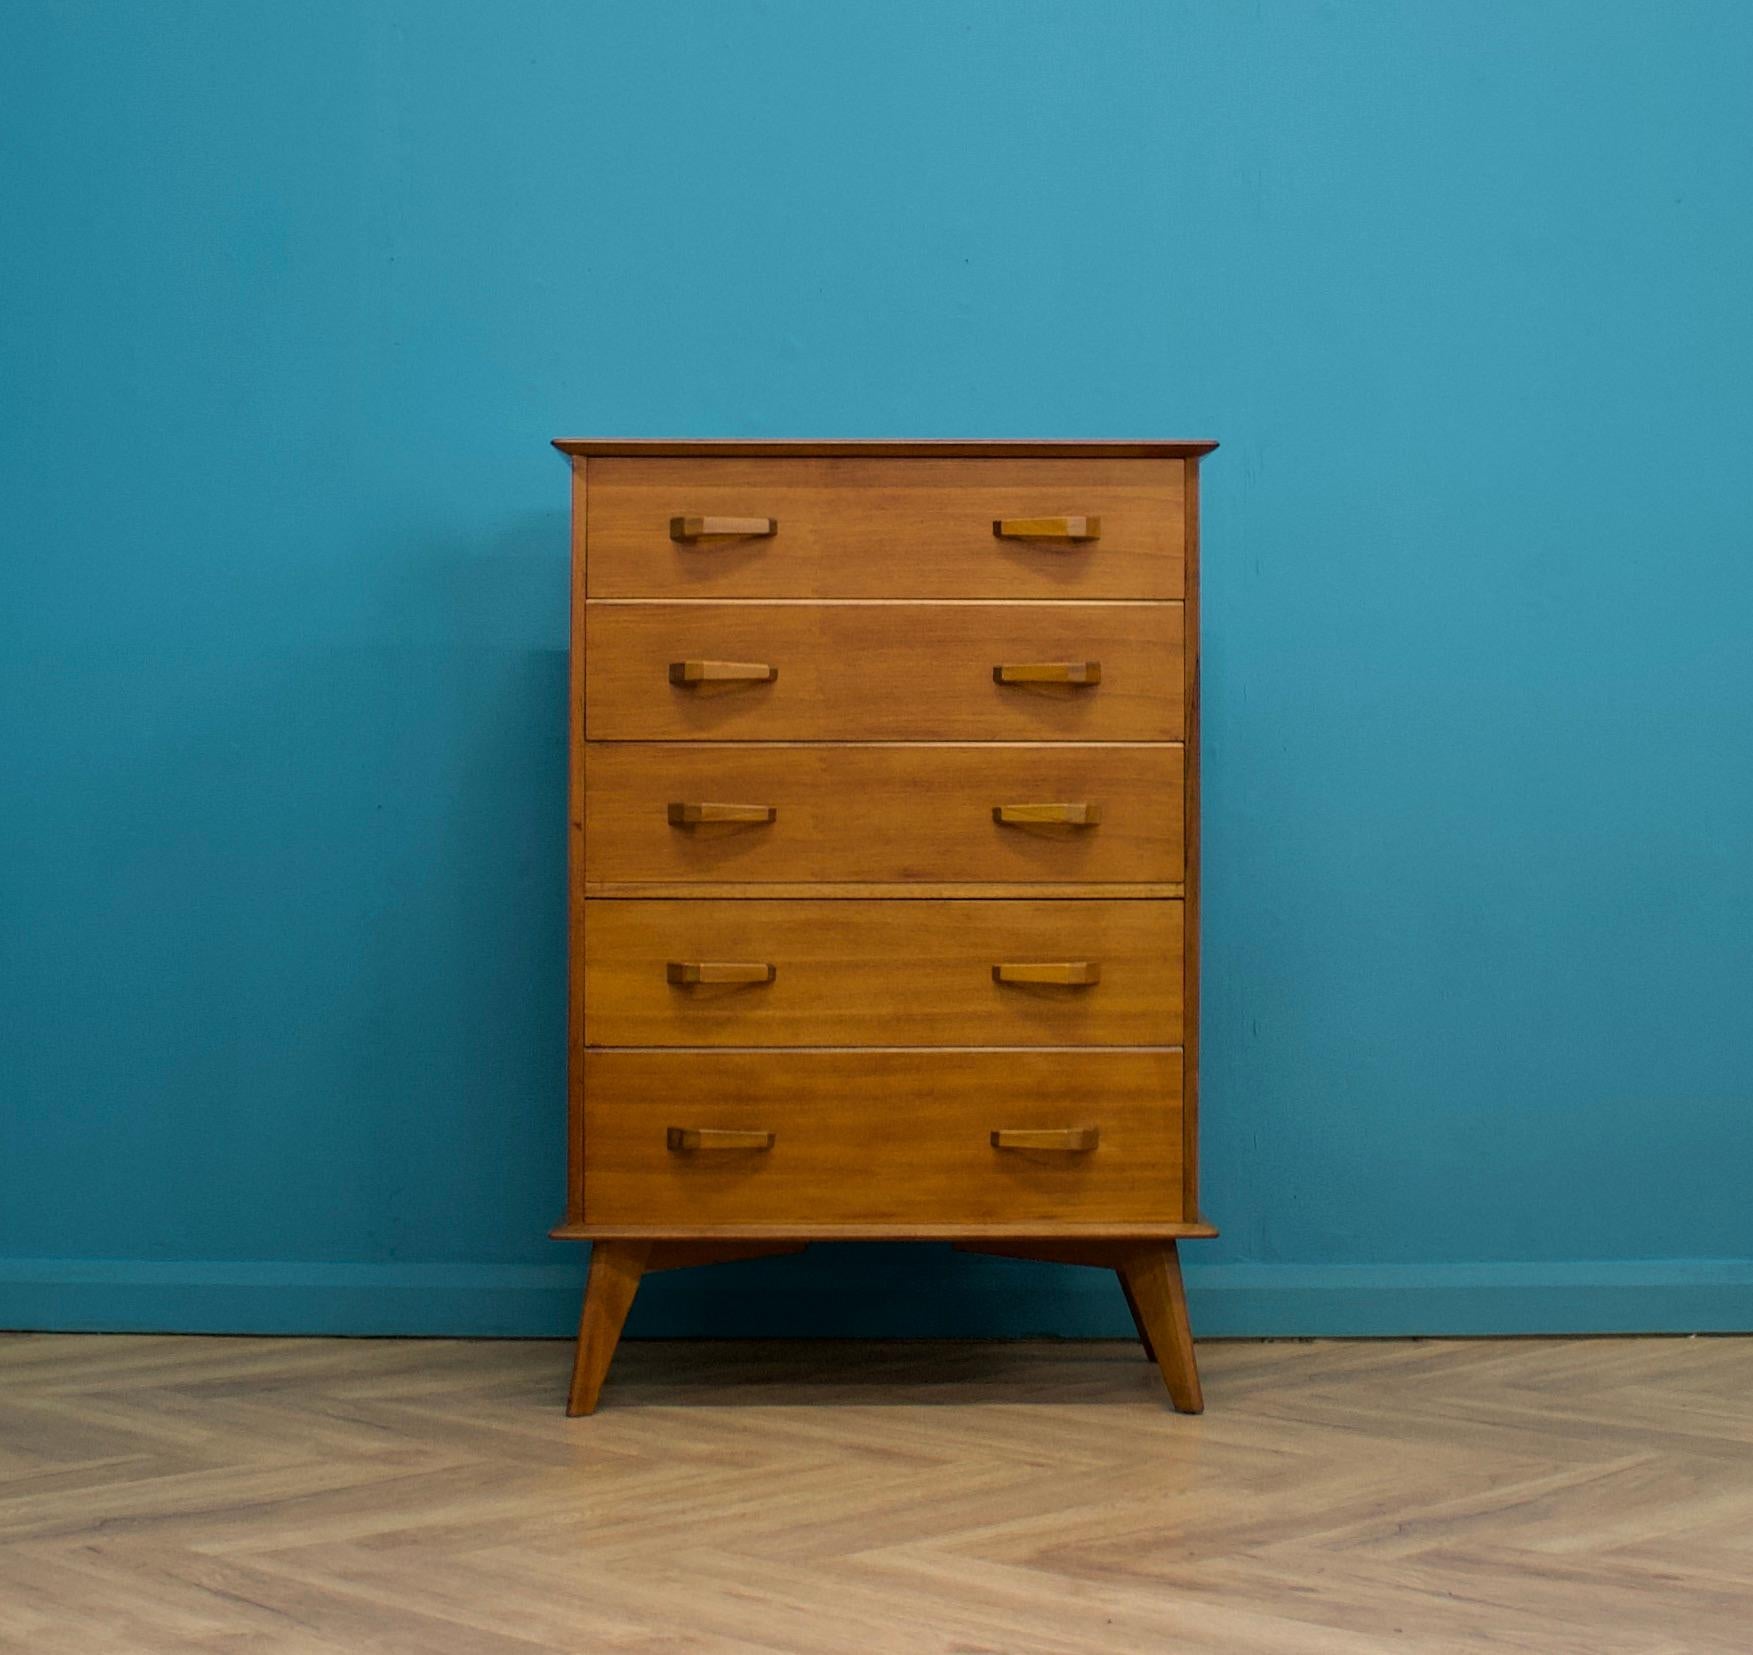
[884,860]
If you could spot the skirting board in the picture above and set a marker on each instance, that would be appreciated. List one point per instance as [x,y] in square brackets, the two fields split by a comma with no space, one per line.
[887,1292]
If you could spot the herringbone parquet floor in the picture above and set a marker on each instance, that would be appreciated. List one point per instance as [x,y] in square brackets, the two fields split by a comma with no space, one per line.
[182,1494]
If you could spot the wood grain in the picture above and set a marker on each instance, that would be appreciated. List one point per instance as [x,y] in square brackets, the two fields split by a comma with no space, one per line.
[1048,973]
[779,721]
[164,1495]
[882,813]
[857,672]
[882,1136]
[706,1140]
[1022,1232]
[1191,867]
[576,951]
[883,973]
[880,527]
[718,813]
[709,528]
[712,974]
[862,890]
[918,448]
[1069,1140]
[710,676]
[1150,1276]
[1048,528]
[615,1269]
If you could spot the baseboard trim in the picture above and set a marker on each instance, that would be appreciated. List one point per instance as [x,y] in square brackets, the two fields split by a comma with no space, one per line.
[867,1291]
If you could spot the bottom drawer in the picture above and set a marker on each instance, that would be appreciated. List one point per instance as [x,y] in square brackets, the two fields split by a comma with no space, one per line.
[695,1139]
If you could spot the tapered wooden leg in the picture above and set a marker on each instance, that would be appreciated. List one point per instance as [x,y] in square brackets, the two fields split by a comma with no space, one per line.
[615,1269]
[1151,1275]
[1137,1320]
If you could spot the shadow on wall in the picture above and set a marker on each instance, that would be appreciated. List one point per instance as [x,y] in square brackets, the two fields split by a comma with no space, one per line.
[871,1290]
[471,954]
[419,984]
[295,988]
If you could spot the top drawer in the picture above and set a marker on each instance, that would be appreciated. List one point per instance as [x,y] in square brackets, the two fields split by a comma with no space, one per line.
[886,528]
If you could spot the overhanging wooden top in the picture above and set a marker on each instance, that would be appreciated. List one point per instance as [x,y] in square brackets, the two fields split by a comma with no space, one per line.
[883,448]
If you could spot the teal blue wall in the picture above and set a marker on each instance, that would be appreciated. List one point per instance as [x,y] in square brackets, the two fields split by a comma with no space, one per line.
[294,297]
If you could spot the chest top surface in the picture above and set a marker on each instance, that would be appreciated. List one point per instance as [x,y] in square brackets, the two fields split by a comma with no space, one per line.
[947,448]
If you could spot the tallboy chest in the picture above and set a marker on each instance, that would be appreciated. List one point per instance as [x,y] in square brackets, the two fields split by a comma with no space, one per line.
[884,860]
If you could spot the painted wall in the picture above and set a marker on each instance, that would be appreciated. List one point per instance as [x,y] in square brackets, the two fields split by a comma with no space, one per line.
[294,297]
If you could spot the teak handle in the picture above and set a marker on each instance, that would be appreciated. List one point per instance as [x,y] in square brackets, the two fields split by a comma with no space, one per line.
[722,672]
[686,815]
[719,971]
[1047,528]
[1072,1140]
[1078,815]
[708,528]
[1047,672]
[681,1138]
[1078,973]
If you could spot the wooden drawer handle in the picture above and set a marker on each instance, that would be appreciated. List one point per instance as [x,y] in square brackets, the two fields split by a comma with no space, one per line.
[1047,528]
[1071,1140]
[1078,815]
[721,528]
[1047,672]
[686,815]
[683,1138]
[1077,973]
[719,971]
[722,672]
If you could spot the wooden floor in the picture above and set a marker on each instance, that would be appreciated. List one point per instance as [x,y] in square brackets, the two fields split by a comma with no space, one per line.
[181,1494]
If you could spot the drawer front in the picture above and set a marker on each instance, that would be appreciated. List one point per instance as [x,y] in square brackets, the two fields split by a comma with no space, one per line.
[911,813]
[864,528]
[881,1137]
[885,672]
[890,973]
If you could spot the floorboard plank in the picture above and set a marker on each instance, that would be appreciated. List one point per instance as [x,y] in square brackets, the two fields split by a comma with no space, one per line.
[1541,1495]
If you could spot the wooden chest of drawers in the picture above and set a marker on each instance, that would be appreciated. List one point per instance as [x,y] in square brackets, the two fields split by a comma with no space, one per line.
[884,860]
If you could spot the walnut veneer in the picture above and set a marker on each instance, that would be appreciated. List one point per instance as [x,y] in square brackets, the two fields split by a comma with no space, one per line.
[884,860]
